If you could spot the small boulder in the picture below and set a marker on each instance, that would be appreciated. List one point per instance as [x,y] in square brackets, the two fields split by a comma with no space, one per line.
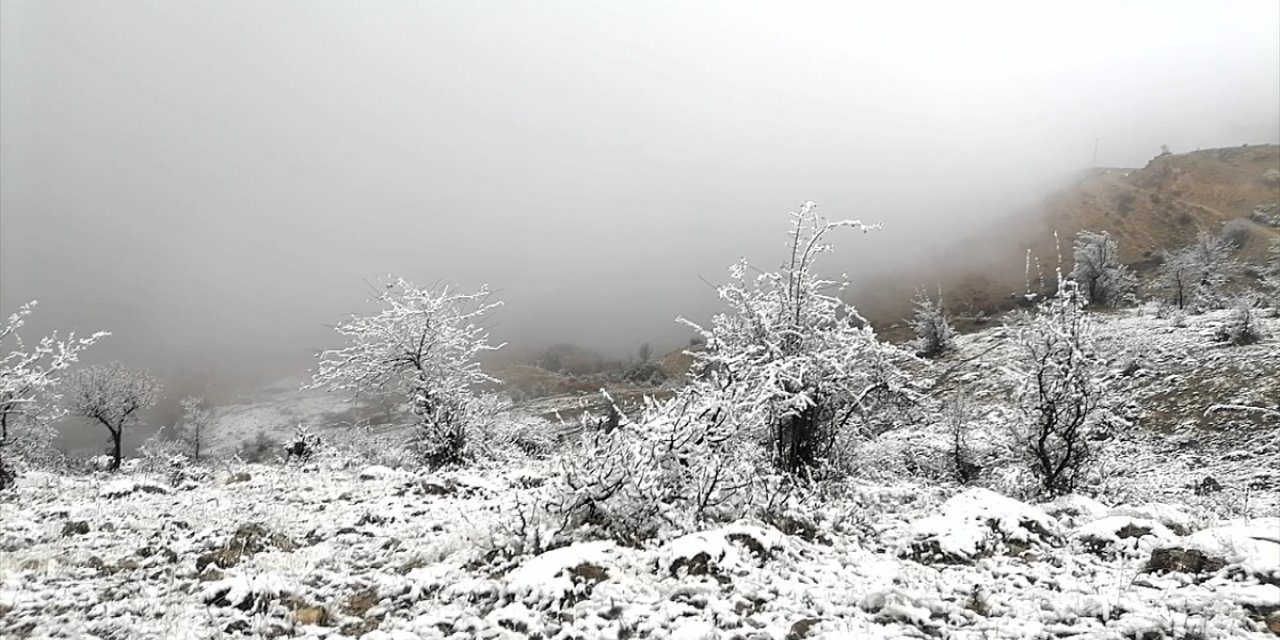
[316,616]
[802,628]
[75,528]
[249,538]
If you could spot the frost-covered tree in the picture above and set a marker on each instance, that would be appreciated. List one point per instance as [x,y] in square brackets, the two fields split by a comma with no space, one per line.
[195,425]
[113,396]
[1061,397]
[1196,275]
[423,344]
[789,361]
[932,326]
[1104,281]
[30,377]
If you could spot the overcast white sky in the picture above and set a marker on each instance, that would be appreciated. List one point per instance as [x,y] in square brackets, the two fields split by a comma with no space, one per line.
[204,178]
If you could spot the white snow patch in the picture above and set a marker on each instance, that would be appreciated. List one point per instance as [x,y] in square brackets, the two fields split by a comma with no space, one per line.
[977,520]
[1252,544]
[545,578]
[377,471]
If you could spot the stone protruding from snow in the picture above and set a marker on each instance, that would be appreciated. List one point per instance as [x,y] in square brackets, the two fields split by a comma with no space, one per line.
[720,550]
[245,592]
[1168,515]
[1252,545]
[249,539]
[1123,534]
[978,523]
[551,578]
[127,486]
[1074,509]
[894,604]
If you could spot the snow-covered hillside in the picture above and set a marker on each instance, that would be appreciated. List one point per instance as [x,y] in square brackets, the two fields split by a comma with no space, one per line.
[1179,537]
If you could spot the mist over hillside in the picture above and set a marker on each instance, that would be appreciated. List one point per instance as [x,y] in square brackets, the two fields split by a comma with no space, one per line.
[569,320]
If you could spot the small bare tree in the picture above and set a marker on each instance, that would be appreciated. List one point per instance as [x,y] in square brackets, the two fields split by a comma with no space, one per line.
[113,396]
[195,425]
[1195,276]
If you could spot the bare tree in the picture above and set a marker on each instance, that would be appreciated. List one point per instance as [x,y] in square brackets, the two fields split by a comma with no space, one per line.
[1195,276]
[195,425]
[1104,280]
[113,396]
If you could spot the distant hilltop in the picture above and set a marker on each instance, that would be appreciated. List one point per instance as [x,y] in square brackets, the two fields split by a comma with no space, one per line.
[1160,206]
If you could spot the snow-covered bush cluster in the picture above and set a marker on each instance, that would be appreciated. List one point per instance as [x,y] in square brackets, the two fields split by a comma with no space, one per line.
[790,364]
[680,464]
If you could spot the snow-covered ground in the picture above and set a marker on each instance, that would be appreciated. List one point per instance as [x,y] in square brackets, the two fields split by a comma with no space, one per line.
[343,549]
[264,551]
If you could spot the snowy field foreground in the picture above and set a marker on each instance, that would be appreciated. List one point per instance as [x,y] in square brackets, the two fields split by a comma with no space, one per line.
[375,553]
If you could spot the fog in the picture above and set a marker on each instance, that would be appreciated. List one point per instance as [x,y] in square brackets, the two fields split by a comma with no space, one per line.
[215,182]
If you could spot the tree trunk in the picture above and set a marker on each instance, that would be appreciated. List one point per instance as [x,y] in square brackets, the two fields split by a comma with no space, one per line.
[115,450]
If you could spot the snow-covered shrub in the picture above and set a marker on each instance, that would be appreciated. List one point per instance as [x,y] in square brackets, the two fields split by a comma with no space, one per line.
[1236,231]
[113,396]
[424,344]
[645,372]
[500,432]
[1104,281]
[1243,326]
[160,452]
[30,393]
[789,363]
[262,449]
[303,445]
[678,465]
[1061,395]
[932,326]
[964,460]
[1194,277]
